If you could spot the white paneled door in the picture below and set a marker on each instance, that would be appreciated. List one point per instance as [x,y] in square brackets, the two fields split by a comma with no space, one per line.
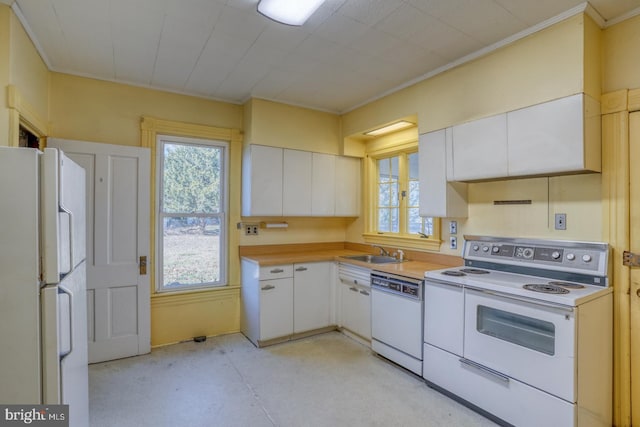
[118,294]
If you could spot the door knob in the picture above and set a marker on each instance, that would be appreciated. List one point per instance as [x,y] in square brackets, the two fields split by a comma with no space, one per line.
[143,265]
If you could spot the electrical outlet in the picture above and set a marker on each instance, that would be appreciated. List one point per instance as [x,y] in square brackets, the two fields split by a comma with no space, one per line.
[453,227]
[251,229]
[561,221]
[453,243]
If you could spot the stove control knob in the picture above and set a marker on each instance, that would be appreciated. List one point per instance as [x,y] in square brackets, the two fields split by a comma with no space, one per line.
[555,254]
[485,248]
[527,253]
[495,249]
[476,248]
[571,257]
[586,258]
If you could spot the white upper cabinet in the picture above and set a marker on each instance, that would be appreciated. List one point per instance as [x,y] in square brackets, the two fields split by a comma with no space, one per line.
[323,186]
[480,149]
[347,186]
[262,171]
[439,198]
[296,183]
[284,182]
[559,136]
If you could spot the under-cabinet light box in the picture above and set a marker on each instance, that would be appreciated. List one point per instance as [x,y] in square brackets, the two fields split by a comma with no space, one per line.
[274,225]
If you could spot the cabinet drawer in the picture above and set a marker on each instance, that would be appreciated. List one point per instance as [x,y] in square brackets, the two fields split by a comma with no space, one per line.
[276,271]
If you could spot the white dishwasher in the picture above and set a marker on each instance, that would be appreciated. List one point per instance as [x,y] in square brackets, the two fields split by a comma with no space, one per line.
[396,319]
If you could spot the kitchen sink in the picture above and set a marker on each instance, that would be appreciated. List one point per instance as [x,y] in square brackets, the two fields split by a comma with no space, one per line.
[372,259]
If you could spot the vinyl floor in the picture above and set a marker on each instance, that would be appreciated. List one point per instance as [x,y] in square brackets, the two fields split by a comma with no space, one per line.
[324,380]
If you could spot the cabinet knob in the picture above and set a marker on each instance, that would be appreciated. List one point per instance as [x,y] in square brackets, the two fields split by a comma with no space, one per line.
[268,287]
[277,270]
[301,269]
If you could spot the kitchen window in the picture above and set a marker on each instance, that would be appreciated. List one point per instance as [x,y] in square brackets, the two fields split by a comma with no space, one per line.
[394,193]
[191,216]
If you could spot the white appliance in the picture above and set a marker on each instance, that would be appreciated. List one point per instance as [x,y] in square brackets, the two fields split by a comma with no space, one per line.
[43,315]
[523,332]
[396,319]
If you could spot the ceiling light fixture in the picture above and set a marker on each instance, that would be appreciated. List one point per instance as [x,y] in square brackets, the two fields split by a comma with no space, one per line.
[290,12]
[389,128]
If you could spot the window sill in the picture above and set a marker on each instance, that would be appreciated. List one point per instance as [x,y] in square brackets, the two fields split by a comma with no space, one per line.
[403,242]
[192,291]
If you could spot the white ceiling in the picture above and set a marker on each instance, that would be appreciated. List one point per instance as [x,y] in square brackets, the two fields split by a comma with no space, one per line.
[349,52]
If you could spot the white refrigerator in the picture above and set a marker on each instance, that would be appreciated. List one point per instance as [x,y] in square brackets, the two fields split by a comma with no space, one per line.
[43,314]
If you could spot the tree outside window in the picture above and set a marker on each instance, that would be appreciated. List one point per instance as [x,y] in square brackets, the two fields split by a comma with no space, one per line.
[398,194]
[191,215]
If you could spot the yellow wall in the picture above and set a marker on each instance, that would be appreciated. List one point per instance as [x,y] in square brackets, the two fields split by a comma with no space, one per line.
[94,110]
[558,61]
[280,125]
[543,66]
[24,81]
[5,17]
[621,61]
[29,73]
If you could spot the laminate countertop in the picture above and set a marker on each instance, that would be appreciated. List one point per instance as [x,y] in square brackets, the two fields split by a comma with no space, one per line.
[413,269]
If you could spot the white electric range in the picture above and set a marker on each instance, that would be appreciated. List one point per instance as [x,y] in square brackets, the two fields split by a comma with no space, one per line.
[523,331]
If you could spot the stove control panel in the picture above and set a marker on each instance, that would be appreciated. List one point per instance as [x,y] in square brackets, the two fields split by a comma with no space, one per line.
[590,258]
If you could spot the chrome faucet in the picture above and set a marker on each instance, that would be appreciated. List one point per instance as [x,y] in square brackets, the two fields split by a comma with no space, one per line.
[383,251]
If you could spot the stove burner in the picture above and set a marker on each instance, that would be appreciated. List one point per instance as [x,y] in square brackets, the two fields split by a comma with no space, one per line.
[567,285]
[453,273]
[474,271]
[546,288]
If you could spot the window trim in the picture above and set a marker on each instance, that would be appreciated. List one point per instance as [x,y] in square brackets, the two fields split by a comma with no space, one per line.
[370,234]
[161,139]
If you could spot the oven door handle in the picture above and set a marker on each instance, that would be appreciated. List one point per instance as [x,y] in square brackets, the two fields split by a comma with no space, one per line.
[501,377]
[548,304]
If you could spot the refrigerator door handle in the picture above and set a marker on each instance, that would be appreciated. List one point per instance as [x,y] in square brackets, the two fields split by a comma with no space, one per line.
[66,348]
[50,220]
[66,240]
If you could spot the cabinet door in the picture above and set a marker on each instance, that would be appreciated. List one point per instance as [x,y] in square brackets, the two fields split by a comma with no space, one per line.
[347,186]
[363,319]
[480,149]
[439,198]
[323,185]
[312,295]
[349,306]
[444,316]
[296,192]
[262,181]
[355,311]
[548,138]
[276,308]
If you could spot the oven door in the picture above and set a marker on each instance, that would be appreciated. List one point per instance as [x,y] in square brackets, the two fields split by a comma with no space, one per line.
[533,342]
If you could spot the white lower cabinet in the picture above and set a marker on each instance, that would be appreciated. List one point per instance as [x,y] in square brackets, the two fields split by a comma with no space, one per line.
[267,301]
[355,310]
[312,295]
[276,308]
[282,300]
